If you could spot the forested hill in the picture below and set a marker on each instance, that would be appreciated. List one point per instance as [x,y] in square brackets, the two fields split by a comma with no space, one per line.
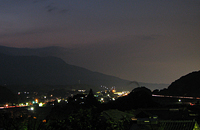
[188,85]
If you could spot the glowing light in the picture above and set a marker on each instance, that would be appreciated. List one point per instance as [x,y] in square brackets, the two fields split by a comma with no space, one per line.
[113,91]
[191,104]
[81,90]
[134,119]
[32,108]
[40,104]
[45,96]
[118,93]
[59,100]
[44,120]
[36,100]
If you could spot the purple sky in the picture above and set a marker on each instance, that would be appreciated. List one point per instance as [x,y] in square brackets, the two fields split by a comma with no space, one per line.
[153,41]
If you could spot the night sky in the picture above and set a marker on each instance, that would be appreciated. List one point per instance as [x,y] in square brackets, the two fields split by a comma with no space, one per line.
[155,41]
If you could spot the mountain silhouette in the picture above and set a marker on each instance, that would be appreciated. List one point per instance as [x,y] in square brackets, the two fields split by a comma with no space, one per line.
[49,70]
[6,95]
[67,55]
[188,85]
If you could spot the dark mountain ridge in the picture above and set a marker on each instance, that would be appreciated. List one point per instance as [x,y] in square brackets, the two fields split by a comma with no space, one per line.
[42,52]
[187,85]
[6,95]
[67,54]
[51,71]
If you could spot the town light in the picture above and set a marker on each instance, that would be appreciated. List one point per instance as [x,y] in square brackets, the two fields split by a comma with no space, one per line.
[32,108]
[40,104]
[36,100]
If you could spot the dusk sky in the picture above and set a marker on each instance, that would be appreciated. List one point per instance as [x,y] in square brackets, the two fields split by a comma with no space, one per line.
[155,41]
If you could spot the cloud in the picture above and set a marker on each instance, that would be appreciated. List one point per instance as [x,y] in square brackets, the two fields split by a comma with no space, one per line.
[52,7]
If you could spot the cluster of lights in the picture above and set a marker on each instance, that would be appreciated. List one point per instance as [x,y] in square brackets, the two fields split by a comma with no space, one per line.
[125,92]
[104,87]
[21,104]
[22,92]
[81,91]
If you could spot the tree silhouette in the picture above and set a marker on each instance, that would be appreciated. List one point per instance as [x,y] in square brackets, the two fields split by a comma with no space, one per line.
[91,100]
[140,97]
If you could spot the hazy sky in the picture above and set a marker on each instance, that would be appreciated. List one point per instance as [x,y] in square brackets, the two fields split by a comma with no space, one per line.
[153,41]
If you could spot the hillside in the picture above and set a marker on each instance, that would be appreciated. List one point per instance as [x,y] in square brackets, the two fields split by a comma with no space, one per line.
[67,56]
[188,85]
[6,95]
[49,70]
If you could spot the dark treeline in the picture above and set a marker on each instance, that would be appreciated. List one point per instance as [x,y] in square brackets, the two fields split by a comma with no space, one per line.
[187,85]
